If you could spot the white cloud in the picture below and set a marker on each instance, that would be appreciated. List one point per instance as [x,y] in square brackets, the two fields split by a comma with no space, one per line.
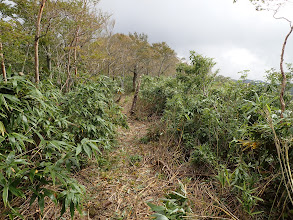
[239,59]
[236,35]
[241,56]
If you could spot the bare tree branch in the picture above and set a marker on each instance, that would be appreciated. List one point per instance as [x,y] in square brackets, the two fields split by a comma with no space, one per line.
[284,79]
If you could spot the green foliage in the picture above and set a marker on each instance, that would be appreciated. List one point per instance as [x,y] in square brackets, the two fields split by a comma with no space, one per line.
[93,109]
[223,125]
[155,93]
[45,136]
[175,206]
[224,177]
[202,155]
[127,84]
[242,182]
[248,200]
[135,159]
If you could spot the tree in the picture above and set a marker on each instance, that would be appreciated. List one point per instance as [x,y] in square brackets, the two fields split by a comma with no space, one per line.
[165,55]
[64,28]
[139,48]
[17,22]
[198,73]
[37,38]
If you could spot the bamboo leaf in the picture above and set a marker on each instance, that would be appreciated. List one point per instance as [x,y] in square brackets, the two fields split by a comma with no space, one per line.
[41,202]
[2,128]
[78,149]
[87,149]
[5,195]
[159,216]
[72,209]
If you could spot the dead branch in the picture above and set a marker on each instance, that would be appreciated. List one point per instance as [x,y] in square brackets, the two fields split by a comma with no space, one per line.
[284,79]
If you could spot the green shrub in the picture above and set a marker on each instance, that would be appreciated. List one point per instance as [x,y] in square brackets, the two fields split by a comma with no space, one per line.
[203,155]
[155,93]
[175,206]
[224,123]
[44,136]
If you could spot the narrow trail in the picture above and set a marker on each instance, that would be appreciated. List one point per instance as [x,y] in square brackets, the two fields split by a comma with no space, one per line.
[135,173]
[123,183]
[119,185]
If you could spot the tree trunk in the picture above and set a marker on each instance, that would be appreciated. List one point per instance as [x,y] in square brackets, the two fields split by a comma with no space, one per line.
[67,82]
[69,79]
[2,63]
[147,71]
[68,72]
[122,80]
[48,58]
[26,57]
[37,38]
[75,51]
[134,78]
[132,110]
[161,67]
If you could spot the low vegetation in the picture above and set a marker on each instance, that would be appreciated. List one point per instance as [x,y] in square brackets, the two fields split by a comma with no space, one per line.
[228,128]
[47,135]
[215,147]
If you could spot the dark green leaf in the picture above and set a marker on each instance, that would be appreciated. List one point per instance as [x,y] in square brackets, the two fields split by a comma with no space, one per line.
[41,202]
[87,149]
[5,195]
[159,216]
[78,149]
[72,209]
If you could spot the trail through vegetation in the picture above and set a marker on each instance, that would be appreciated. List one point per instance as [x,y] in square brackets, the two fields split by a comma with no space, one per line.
[127,178]
[194,144]
[136,173]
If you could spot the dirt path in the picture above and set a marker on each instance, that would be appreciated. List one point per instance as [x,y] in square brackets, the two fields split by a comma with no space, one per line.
[127,179]
[135,173]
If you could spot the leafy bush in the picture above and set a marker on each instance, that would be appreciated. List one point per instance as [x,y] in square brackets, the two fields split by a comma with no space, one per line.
[223,123]
[175,206]
[202,155]
[44,136]
[155,93]
[94,115]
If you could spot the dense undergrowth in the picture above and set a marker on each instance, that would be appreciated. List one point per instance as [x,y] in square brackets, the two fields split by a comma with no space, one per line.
[229,128]
[46,135]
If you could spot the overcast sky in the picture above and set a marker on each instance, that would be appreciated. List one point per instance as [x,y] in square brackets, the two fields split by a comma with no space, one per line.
[236,35]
